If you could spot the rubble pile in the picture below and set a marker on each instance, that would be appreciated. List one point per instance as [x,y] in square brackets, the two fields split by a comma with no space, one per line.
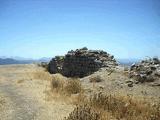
[146,71]
[81,62]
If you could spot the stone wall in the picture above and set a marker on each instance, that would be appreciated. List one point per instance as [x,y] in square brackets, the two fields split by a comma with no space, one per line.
[82,62]
[55,65]
[146,71]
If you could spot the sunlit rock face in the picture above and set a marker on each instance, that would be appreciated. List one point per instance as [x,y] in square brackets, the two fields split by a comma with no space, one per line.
[146,71]
[81,62]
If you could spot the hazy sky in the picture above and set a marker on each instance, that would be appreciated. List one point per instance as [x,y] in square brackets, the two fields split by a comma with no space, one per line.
[45,28]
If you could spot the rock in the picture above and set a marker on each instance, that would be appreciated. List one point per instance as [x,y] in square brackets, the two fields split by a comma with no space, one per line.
[55,65]
[132,66]
[130,84]
[146,70]
[84,48]
[136,82]
[153,68]
[156,60]
[155,84]
[101,87]
[81,62]
[157,73]
[150,79]
[129,81]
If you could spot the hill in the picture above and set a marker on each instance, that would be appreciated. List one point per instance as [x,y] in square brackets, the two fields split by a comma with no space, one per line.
[6,61]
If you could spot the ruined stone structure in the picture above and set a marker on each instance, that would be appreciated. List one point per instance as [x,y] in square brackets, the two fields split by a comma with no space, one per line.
[81,62]
[146,71]
[55,65]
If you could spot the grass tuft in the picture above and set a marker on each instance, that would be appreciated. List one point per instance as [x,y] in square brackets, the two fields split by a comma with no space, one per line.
[65,85]
[120,108]
[83,112]
[73,86]
[96,79]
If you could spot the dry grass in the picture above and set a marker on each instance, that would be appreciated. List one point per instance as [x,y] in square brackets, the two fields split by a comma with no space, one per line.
[87,112]
[65,86]
[83,112]
[20,81]
[41,75]
[95,79]
[73,86]
[57,83]
[125,108]
[99,106]
[2,102]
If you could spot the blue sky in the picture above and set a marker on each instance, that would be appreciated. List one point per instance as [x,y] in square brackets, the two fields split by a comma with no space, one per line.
[45,28]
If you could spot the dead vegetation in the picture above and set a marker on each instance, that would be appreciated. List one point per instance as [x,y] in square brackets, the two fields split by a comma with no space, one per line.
[57,83]
[41,75]
[121,108]
[2,101]
[66,86]
[101,106]
[125,107]
[96,79]
[83,112]
[20,81]
[73,86]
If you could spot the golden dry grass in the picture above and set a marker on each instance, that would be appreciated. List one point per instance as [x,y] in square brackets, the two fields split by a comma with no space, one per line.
[65,86]
[117,107]
[57,83]
[83,112]
[20,81]
[95,79]
[41,75]
[99,106]
[73,86]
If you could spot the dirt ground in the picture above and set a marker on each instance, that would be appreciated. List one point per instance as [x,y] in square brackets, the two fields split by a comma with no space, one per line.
[25,98]
[115,83]
[25,92]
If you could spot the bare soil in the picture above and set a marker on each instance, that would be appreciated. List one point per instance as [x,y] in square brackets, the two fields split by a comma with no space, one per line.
[24,98]
[116,83]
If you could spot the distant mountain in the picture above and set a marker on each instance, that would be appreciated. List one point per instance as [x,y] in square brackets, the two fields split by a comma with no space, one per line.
[6,61]
[19,60]
[44,59]
[3,57]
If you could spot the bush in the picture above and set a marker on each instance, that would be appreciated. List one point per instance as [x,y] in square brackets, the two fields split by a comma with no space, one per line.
[100,106]
[66,86]
[122,107]
[96,79]
[41,75]
[83,112]
[73,86]
[57,82]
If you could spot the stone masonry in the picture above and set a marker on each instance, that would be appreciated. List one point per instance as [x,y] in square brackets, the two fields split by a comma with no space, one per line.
[81,62]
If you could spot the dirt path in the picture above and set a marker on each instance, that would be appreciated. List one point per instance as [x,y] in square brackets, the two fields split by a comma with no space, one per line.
[22,107]
[26,100]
